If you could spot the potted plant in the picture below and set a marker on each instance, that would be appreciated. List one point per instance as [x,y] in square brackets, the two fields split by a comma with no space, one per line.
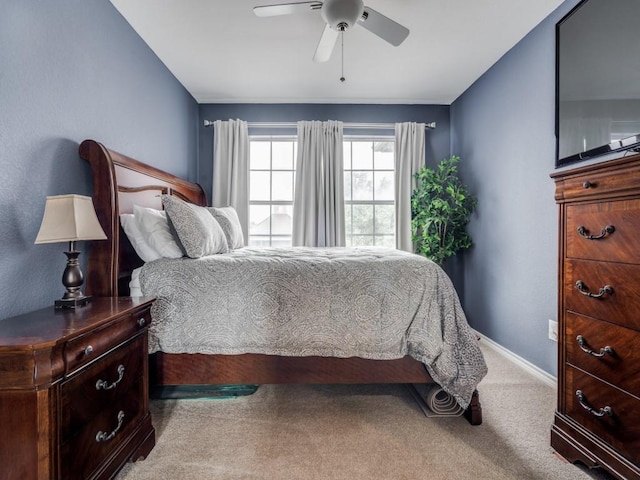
[441,207]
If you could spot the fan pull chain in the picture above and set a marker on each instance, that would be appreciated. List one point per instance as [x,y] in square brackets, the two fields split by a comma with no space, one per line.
[342,79]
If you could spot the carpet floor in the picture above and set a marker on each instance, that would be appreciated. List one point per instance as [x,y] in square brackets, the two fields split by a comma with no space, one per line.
[346,432]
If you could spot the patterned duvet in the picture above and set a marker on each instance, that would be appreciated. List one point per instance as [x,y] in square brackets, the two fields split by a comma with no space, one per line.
[340,302]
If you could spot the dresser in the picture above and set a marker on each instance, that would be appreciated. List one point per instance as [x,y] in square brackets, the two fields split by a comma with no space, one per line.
[74,390]
[597,420]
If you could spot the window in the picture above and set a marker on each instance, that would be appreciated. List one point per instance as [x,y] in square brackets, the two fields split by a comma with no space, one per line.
[369,185]
[271,182]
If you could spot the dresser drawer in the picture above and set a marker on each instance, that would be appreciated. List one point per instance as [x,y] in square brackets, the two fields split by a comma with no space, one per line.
[620,366]
[599,182]
[98,439]
[101,385]
[621,430]
[86,348]
[622,306]
[604,231]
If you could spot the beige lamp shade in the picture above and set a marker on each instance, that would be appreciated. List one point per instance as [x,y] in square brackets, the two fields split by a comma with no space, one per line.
[69,218]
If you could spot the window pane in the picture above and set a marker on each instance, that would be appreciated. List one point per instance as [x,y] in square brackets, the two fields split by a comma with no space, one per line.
[347,186]
[280,241]
[385,219]
[259,241]
[362,240]
[259,220]
[383,155]
[281,220]
[259,185]
[259,153]
[362,185]
[282,156]
[347,219]
[362,220]
[282,186]
[387,241]
[384,186]
[347,155]
[362,155]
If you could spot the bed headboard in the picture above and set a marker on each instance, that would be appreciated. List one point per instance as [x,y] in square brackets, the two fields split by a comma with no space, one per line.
[119,183]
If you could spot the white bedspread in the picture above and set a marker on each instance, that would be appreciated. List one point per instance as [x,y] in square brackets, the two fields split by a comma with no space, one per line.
[365,302]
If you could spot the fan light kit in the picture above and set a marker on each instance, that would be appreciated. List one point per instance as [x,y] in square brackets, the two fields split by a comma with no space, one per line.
[340,15]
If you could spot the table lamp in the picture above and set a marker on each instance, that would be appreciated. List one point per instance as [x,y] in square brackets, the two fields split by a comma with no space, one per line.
[70,218]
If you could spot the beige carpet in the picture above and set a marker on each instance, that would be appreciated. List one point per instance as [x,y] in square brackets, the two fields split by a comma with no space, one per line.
[358,432]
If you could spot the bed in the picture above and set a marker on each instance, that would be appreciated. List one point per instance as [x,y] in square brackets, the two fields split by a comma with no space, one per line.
[119,184]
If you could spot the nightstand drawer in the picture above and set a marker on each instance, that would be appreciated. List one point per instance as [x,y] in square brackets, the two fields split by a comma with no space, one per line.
[604,231]
[603,290]
[101,385]
[621,429]
[620,365]
[86,348]
[84,452]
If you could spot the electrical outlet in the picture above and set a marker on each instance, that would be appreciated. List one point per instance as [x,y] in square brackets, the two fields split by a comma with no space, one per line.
[553,330]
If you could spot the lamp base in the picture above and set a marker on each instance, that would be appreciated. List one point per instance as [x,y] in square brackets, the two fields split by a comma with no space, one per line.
[72,302]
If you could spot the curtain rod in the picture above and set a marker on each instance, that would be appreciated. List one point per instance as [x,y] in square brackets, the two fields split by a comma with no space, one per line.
[382,126]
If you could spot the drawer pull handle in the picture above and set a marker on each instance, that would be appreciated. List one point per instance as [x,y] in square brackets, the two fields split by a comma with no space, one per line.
[104,385]
[608,411]
[88,351]
[104,436]
[588,184]
[584,233]
[141,322]
[585,348]
[606,290]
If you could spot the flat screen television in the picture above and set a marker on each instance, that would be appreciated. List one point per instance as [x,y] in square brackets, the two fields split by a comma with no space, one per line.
[598,80]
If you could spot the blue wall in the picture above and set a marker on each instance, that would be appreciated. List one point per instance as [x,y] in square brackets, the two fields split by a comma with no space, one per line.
[437,141]
[503,128]
[71,70]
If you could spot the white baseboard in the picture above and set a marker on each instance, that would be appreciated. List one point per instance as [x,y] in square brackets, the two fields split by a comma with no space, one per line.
[537,372]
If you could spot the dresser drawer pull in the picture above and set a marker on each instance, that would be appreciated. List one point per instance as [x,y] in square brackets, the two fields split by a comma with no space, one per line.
[608,411]
[584,233]
[104,385]
[606,290]
[142,322]
[585,348]
[589,184]
[88,351]
[104,436]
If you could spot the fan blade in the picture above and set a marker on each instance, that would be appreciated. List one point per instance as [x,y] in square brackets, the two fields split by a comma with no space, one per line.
[384,27]
[326,44]
[286,8]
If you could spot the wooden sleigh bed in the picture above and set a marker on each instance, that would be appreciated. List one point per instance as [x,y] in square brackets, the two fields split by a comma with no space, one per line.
[119,183]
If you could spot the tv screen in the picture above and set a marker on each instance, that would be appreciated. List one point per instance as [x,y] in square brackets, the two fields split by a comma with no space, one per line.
[598,80]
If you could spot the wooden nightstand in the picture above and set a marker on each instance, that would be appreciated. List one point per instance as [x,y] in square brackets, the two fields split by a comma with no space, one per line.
[74,398]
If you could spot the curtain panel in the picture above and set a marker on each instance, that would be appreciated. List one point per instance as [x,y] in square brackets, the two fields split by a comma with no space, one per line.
[318,207]
[231,169]
[409,158]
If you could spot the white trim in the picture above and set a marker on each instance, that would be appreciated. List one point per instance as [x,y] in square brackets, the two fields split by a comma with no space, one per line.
[537,372]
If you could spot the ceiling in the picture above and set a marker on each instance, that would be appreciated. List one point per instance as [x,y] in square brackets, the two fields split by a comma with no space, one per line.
[222,53]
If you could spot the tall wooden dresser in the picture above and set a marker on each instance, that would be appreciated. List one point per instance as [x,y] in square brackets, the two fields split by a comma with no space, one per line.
[597,420]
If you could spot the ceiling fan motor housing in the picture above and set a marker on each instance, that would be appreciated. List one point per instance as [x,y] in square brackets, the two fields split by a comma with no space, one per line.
[342,14]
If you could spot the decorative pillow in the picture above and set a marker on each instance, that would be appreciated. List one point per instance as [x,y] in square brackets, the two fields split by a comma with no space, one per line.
[137,239]
[154,226]
[198,232]
[228,219]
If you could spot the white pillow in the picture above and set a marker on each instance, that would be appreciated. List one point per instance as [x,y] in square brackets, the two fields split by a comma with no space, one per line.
[197,230]
[137,239]
[154,226]
[228,219]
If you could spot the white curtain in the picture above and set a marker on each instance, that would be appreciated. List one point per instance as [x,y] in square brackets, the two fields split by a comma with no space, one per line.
[318,207]
[409,158]
[231,169]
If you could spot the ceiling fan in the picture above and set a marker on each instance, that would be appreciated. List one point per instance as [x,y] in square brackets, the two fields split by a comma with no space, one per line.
[340,15]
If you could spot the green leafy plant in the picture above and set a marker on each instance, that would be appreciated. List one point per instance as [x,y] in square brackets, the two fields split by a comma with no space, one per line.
[441,207]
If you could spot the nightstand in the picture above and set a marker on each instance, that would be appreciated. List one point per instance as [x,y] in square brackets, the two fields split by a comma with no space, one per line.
[74,400]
